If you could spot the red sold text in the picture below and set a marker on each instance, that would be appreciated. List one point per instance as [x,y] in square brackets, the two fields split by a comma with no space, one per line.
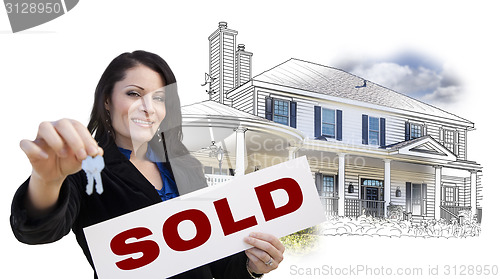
[151,250]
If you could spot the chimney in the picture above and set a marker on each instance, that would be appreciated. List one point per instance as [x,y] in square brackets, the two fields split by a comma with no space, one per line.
[222,64]
[243,65]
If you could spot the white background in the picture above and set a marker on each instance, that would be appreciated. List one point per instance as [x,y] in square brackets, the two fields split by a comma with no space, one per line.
[51,71]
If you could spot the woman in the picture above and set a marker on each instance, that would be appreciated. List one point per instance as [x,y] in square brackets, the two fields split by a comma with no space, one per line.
[137,124]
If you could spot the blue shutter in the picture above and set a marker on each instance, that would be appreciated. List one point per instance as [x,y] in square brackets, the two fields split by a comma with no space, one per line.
[269,108]
[382,131]
[364,125]
[317,121]
[319,182]
[339,124]
[407,130]
[293,114]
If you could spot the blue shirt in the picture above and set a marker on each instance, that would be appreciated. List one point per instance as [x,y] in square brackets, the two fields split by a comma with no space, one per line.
[169,188]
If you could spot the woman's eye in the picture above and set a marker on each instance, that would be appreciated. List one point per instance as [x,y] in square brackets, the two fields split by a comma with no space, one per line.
[159,98]
[133,94]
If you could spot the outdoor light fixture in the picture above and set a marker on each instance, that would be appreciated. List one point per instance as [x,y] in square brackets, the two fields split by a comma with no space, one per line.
[398,192]
[218,152]
[350,189]
[220,156]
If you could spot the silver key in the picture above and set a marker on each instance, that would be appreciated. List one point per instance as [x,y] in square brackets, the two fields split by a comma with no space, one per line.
[93,167]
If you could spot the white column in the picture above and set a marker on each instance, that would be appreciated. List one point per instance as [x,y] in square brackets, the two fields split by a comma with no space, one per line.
[292,150]
[437,198]
[240,151]
[387,184]
[341,210]
[473,191]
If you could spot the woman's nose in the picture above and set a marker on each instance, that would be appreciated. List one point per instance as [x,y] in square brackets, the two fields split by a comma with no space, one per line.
[147,104]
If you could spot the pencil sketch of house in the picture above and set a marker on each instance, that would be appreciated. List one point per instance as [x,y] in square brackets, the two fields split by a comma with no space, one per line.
[372,151]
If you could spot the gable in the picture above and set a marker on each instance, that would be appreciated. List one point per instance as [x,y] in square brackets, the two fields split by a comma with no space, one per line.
[424,147]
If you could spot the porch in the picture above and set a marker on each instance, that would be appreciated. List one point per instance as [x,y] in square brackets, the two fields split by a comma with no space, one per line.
[213,179]
[353,207]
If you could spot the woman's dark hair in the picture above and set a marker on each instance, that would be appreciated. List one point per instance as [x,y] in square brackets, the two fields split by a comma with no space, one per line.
[167,142]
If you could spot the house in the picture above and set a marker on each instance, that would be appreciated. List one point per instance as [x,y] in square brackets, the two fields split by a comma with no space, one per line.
[370,148]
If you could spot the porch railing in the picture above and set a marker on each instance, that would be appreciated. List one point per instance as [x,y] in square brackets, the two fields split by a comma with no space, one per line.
[451,211]
[213,179]
[357,207]
[330,204]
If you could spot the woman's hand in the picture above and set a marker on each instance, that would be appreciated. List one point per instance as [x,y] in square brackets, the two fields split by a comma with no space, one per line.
[57,152]
[266,254]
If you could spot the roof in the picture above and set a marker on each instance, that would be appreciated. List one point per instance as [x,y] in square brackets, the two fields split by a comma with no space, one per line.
[330,81]
[212,108]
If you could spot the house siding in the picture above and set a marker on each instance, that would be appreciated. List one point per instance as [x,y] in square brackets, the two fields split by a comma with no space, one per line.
[351,126]
[244,100]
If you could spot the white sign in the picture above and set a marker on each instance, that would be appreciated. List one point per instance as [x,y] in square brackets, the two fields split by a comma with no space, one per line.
[206,225]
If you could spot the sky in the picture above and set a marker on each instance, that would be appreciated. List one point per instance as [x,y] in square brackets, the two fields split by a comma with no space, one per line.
[441,52]
[414,74]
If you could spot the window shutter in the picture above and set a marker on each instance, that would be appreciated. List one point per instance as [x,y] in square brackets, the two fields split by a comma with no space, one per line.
[424,199]
[407,130]
[455,143]
[364,133]
[336,186]
[408,197]
[293,114]
[339,125]
[319,182]
[382,132]
[317,121]
[269,108]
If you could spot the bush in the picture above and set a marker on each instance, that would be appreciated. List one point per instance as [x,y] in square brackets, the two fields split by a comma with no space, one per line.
[301,242]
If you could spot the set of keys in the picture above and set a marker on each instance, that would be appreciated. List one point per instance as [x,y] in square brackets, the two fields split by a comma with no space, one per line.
[93,167]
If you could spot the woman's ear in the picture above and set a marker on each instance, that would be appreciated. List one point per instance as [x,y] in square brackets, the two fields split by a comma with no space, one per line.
[106,104]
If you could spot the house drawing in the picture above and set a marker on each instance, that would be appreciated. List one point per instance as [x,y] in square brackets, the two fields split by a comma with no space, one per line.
[371,150]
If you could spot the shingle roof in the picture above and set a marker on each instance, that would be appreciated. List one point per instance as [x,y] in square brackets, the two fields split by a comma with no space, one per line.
[326,80]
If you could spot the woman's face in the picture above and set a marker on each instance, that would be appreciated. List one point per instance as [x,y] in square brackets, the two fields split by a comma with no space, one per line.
[137,107]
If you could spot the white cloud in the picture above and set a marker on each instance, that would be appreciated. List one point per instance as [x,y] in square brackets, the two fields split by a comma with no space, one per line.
[401,78]
[432,85]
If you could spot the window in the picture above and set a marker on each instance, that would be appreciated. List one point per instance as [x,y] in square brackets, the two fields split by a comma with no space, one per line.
[207,170]
[449,139]
[415,131]
[374,131]
[280,111]
[450,196]
[328,122]
[328,186]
